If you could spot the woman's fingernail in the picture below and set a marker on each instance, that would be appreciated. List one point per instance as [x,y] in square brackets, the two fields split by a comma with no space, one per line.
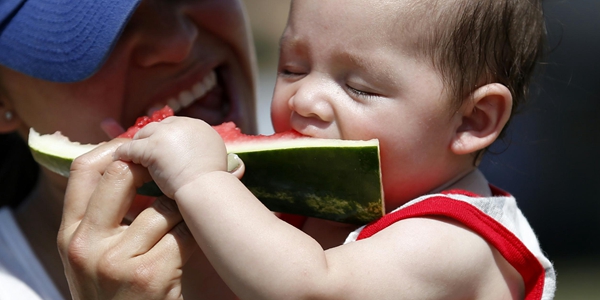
[233,162]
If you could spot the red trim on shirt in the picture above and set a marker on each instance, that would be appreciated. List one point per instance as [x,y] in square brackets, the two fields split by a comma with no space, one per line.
[513,250]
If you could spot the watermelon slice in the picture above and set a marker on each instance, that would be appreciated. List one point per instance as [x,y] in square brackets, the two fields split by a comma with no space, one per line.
[331,179]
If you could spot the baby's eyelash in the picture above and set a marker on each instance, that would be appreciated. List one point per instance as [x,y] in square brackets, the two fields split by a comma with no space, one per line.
[360,93]
[288,73]
[285,72]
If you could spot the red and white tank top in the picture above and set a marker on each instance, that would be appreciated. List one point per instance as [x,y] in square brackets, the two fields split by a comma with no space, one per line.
[497,219]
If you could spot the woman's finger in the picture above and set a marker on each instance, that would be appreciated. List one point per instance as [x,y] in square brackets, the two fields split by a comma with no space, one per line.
[86,172]
[113,196]
[175,248]
[153,224]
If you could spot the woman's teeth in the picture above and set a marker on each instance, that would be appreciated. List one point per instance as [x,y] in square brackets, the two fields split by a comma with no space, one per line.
[187,97]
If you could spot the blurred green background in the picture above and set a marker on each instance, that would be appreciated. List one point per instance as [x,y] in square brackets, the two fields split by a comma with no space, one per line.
[549,160]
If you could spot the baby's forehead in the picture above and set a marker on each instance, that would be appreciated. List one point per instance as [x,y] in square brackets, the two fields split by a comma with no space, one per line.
[413,17]
[416,21]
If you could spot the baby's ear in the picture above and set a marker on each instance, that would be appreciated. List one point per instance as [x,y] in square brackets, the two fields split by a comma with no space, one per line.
[484,116]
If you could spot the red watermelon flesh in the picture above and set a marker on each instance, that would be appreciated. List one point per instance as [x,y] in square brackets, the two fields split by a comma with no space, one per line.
[157,116]
[231,134]
[228,131]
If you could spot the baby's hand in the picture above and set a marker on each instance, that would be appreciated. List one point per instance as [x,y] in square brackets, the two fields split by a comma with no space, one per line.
[176,151]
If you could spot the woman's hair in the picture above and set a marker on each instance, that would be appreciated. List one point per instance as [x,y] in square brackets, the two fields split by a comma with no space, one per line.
[475,42]
[18,170]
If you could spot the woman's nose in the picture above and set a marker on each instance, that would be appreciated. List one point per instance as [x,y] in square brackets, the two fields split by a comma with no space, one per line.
[313,100]
[167,36]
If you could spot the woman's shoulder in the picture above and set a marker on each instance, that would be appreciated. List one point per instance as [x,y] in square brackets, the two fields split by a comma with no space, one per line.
[21,273]
[14,288]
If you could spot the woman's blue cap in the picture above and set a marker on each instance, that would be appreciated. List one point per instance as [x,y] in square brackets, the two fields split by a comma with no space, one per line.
[60,40]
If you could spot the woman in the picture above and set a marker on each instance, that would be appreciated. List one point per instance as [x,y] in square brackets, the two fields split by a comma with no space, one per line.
[88,68]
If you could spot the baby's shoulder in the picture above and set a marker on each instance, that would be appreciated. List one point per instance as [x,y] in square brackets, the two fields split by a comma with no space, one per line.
[449,253]
[442,238]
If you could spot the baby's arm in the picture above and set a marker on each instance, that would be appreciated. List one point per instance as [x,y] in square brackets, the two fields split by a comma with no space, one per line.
[261,257]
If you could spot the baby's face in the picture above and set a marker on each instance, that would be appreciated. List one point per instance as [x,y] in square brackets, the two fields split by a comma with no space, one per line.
[346,72]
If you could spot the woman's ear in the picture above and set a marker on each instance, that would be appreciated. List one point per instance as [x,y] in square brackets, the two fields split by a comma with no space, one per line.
[484,116]
[9,121]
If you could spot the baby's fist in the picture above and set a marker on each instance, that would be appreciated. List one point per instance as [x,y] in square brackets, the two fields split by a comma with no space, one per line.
[176,151]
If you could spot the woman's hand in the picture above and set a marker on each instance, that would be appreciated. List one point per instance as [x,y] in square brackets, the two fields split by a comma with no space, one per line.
[106,259]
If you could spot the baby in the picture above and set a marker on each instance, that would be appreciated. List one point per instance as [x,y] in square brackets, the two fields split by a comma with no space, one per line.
[436,82]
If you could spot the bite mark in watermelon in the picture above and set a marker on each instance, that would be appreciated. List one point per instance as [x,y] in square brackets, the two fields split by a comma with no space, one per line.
[338,180]
[157,116]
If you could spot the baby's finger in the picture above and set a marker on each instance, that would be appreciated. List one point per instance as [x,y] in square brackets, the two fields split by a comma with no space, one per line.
[235,165]
[149,129]
[133,151]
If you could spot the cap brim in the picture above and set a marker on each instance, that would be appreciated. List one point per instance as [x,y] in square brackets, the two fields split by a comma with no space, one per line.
[63,40]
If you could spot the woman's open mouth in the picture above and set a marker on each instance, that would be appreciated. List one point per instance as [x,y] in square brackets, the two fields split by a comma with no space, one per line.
[197,91]
[205,99]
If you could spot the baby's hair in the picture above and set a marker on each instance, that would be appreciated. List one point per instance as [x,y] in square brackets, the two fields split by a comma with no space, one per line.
[475,42]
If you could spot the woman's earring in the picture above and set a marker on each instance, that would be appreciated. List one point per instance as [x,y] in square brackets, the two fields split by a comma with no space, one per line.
[8,115]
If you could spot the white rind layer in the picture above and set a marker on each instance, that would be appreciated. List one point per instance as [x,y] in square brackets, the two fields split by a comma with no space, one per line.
[57,145]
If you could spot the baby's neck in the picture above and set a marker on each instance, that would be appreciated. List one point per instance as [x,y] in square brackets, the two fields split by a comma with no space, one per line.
[472,180]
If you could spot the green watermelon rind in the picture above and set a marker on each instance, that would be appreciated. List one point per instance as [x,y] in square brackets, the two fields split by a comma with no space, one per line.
[344,183]
[323,178]
[348,193]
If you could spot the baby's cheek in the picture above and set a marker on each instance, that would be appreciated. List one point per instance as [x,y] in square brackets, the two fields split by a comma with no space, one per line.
[280,115]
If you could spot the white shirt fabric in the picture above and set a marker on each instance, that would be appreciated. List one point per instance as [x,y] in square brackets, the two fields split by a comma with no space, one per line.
[22,276]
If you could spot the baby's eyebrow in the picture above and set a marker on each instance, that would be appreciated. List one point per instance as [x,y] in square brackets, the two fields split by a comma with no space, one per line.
[288,41]
[378,71]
